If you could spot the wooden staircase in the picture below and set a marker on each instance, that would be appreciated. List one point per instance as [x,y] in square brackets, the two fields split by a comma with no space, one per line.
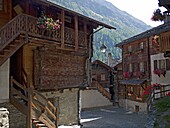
[10,38]
[101,89]
[40,112]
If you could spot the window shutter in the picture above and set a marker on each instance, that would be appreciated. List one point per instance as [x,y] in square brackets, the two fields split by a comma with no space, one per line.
[167,64]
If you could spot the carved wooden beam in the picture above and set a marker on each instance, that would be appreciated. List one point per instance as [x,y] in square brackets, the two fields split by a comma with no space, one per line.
[76,32]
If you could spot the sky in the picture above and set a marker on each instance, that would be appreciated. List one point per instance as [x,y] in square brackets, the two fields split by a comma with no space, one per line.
[141,9]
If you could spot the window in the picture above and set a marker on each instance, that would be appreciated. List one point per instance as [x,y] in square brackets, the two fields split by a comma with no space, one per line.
[142,45]
[1,5]
[103,77]
[130,48]
[130,91]
[155,64]
[162,64]
[141,67]
[130,67]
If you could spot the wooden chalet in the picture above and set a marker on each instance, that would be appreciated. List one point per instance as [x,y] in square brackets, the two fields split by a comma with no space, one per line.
[138,63]
[102,73]
[103,78]
[41,71]
[99,92]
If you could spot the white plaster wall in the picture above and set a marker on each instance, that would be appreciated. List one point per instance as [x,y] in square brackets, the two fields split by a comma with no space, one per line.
[4,81]
[93,98]
[129,105]
[155,78]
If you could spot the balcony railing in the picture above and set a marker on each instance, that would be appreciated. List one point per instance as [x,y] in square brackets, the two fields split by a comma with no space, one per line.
[25,24]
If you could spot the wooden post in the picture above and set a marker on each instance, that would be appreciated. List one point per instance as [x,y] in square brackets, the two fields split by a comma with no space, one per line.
[62,28]
[56,114]
[29,116]
[11,89]
[85,35]
[76,32]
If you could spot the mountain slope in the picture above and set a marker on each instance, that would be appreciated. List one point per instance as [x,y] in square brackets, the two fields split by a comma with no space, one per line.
[126,25]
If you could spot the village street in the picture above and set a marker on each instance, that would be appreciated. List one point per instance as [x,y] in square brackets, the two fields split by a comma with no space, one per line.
[112,117]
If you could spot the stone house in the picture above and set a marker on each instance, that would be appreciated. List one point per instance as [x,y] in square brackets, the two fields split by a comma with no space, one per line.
[42,70]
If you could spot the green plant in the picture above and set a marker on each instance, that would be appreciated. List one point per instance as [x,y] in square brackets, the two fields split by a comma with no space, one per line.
[167,118]
[163,105]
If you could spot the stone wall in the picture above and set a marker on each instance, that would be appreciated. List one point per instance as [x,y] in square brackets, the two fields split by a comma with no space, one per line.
[93,98]
[16,118]
[130,105]
[4,81]
[68,103]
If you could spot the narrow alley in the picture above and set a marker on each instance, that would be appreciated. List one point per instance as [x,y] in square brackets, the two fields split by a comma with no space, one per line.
[112,117]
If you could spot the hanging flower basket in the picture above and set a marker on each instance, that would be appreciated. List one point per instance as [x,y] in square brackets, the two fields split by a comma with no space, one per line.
[157,15]
[155,39]
[48,23]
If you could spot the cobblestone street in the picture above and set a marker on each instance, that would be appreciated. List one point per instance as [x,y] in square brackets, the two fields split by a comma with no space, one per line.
[112,117]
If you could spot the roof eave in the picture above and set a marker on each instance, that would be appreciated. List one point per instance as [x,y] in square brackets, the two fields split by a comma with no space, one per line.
[48,3]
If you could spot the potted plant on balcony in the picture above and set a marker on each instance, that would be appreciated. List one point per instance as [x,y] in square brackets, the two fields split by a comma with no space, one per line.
[127,74]
[45,23]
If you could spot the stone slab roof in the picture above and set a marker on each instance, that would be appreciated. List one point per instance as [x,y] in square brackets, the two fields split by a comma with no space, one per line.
[153,31]
[133,81]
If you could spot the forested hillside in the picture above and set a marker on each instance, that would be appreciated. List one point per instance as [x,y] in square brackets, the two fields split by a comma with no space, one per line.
[126,25]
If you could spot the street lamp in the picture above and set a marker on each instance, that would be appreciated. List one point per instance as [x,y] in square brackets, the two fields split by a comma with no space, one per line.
[103,48]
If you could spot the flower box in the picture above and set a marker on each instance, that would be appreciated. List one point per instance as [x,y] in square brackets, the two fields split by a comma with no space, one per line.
[160,72]
[48,23]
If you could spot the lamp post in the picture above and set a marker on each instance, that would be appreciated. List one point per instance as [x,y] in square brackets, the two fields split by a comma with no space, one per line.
[103,50]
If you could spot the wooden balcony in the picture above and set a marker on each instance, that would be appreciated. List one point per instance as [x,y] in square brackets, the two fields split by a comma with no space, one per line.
[27,25]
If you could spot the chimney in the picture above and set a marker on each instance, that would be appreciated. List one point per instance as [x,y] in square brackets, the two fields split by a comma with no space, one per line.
[109,61]
[167,17]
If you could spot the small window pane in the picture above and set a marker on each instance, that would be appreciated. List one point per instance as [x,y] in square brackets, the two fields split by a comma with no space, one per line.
[141,45]
[162,64]
[130,48]
[130,67]
[103,77]
[141,67]
[155,64]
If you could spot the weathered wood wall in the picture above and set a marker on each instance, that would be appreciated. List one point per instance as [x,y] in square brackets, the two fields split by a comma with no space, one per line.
[5,11]
[59,69]
[97,71]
